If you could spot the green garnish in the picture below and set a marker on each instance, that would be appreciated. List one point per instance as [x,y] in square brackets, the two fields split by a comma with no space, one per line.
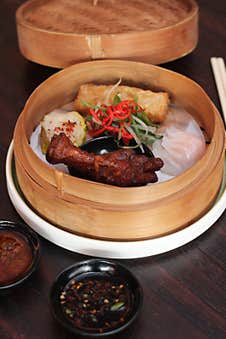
[68,311]
[87,104]
[116,99]
[117,306]
[95,107]
[143,116]
[89,118]
[94,318]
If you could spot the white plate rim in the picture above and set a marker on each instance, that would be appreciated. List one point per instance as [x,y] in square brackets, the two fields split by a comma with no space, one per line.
[104,248]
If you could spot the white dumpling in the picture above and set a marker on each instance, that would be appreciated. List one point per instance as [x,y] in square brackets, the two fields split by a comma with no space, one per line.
[183,142]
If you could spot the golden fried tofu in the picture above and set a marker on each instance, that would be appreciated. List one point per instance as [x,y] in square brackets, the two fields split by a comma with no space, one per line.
[155,104]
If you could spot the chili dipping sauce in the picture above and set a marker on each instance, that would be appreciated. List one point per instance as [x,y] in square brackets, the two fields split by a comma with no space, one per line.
[15,256]
[96,304]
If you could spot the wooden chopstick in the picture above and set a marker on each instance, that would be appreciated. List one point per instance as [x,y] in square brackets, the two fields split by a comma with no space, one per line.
[219,72]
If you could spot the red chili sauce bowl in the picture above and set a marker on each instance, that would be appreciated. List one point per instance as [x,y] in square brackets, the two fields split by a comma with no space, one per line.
[19,253]
[96,298]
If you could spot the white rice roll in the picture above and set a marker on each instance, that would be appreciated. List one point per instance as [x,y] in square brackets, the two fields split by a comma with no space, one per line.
[183,142]
[59,121]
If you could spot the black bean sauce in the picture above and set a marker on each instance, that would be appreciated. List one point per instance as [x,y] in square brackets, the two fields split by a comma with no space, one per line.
[96,303]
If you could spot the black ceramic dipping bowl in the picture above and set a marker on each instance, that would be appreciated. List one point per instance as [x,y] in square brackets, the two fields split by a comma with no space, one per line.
[31,239]
[106,144]
[100,145]
[97,270]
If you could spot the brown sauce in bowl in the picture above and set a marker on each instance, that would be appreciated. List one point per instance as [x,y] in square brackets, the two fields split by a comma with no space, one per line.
[15,256]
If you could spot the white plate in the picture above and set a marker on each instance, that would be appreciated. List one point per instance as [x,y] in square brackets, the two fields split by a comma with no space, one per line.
[109,249]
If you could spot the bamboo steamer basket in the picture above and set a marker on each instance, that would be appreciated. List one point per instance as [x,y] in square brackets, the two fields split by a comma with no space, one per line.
[60,33]
[108,212]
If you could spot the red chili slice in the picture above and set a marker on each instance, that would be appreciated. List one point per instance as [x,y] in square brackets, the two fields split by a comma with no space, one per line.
[119,114]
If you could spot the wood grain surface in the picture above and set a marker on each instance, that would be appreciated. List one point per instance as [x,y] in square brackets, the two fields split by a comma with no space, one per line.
[185,295]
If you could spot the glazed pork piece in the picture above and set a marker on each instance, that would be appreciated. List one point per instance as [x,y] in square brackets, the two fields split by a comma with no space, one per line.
[155,104]
[121,168]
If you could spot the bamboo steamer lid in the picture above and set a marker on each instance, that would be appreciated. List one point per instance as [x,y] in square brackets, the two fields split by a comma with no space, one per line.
[60,33]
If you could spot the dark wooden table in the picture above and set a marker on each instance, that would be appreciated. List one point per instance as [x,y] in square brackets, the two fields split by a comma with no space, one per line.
[185,290]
